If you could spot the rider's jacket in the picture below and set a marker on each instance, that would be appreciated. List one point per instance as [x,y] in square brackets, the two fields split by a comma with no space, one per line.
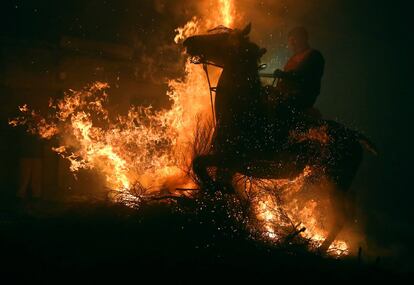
[301,82]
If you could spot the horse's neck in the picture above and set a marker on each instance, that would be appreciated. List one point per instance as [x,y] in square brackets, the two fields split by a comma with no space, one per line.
[236,79]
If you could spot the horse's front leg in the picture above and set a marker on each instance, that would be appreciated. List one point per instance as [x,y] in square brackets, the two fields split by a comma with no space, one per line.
[224,173]
[200,169]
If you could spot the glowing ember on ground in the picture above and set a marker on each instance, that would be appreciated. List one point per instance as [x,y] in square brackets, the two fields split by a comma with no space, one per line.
[282,215]
[148,150]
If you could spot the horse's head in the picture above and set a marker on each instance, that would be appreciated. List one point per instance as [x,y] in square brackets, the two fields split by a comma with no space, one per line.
[223,45]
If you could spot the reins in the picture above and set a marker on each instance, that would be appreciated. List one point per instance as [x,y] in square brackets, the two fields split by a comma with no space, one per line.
[211,90]
[205,64]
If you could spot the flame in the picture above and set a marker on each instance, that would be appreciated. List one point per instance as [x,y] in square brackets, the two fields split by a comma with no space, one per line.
[227,12]
[281,213]
[143,148]
[149,149]
[190,28]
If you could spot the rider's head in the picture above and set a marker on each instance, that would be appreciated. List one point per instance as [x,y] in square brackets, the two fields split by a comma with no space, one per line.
[298,39]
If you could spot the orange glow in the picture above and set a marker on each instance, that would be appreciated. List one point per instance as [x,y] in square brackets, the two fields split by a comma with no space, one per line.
[279,209]
[227,12]
[151,149]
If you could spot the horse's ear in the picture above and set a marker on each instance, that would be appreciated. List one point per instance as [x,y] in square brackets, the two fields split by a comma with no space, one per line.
[246,29]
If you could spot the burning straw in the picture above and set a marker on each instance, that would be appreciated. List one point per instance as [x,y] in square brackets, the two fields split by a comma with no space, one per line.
[147,152]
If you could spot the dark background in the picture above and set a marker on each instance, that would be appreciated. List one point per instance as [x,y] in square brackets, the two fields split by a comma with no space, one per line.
[367,84]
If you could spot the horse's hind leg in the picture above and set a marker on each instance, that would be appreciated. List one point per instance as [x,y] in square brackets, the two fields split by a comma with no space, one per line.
[338,200]
[342,176]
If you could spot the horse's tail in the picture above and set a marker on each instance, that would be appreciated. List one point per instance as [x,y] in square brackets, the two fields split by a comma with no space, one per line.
[359,137]
[366,143]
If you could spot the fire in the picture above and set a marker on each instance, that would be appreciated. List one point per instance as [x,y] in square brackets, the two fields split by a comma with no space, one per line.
[282,213]
[149,149]
[144,147]
[227,13]
[191,28]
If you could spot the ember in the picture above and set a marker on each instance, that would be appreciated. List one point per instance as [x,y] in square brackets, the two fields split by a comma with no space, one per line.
[148,150]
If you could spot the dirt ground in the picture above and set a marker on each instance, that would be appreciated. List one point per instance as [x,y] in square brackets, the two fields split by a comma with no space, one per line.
[50,239]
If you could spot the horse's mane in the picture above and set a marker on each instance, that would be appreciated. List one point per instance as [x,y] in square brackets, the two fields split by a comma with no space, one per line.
[241,41]
[220,30]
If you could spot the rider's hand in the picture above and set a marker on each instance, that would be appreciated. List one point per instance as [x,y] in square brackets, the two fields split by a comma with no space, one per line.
[278,73]
[268,89]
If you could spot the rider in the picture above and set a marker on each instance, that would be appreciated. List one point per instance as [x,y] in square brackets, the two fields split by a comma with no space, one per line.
[300,82]
[297,88]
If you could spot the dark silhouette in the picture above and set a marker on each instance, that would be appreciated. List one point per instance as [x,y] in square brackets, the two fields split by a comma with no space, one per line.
[30,167]
[245,138]
[300,81]
[298,85]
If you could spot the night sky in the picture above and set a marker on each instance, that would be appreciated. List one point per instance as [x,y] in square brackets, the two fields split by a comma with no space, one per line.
[367,83]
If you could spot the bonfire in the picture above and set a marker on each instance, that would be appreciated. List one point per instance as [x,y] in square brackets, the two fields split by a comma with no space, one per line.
[146,153]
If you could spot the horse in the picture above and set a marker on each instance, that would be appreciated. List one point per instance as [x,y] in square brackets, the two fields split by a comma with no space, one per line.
[246,137]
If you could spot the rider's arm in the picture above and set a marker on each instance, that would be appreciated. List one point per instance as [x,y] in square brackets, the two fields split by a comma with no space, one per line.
[312,66]
[294,74]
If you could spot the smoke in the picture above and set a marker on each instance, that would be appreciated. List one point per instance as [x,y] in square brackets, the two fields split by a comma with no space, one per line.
[362,43]
[271,21]
[348,33]
[159,58]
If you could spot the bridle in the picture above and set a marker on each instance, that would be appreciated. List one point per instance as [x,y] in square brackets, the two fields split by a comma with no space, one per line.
[206,63]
